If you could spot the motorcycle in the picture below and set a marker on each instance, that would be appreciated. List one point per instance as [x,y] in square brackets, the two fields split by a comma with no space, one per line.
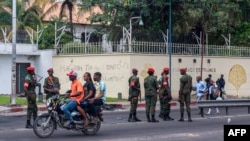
[46,123]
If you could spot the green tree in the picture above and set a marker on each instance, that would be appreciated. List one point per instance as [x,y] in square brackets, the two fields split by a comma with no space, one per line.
[116,15]
[68,5]
[28,17]
[47,39]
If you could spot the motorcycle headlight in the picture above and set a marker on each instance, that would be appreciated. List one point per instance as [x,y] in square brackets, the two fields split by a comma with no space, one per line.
[48,103]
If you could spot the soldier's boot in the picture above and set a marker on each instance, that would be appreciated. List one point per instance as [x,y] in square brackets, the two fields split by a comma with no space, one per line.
[161,115]
[168,117]
[164,117]
[130,119]
[28,125]
[182,117]
[153,118]
[148,118]
[135,117]
[189,117]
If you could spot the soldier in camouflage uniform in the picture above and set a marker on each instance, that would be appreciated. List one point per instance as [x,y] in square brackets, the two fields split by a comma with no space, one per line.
[51,84]
[150,86]
[134,93]
[165,95]
[185,93]
[29,89]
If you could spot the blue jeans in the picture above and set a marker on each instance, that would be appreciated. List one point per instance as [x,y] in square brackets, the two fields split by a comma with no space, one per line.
[67,108]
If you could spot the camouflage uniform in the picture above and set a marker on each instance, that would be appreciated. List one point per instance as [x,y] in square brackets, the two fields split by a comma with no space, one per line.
[134,93]
[31,97]
[150,85]
[165,97]
[160,98]
[54,84]
[184,95]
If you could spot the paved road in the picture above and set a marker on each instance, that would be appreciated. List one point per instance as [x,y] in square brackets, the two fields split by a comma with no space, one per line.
[209,128]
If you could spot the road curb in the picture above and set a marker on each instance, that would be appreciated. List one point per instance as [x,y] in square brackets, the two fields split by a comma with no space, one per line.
[108,106]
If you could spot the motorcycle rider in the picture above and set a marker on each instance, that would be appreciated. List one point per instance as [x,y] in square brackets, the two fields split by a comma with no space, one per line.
[89,92]
[75,96]
[100,91]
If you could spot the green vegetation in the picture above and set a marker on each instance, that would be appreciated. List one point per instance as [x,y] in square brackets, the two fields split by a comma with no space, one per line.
[110,99]
[80,48]
[214,17]
[5,100]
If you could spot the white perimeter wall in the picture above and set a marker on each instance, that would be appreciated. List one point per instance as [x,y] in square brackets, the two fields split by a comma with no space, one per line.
[116,70]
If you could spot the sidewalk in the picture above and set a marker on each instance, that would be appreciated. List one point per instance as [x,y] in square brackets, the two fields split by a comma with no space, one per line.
[8,110]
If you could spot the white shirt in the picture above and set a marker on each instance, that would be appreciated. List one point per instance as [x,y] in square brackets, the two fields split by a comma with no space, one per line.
[200,88]
[210,88]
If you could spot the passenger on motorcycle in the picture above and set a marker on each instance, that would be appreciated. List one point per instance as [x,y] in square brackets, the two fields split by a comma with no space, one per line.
[75,96]
[89,92]
[100,91]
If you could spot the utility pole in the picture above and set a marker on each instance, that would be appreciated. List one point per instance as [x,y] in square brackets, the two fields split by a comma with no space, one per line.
[170,44]
[13,65]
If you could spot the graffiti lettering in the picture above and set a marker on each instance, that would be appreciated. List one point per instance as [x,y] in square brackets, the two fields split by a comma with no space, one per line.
[113,78]
[196,69]
[70,67]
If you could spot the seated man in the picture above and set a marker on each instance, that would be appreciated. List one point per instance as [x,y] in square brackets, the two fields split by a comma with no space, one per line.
[100,91]
[76,95]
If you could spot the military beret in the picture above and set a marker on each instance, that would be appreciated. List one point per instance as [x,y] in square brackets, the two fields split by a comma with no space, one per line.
[166,69]
[30,68]
[151,70]
[183,69]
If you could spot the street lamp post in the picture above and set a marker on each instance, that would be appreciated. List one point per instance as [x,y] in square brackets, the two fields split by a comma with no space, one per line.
[130,30]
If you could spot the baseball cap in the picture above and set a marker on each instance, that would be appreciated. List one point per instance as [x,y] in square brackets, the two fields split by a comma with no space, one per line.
[72,73]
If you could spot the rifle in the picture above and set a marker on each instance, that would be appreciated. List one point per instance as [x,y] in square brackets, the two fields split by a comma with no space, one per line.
[35,76]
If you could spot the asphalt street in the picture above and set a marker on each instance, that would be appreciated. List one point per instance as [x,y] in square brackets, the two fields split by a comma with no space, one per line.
[116,128]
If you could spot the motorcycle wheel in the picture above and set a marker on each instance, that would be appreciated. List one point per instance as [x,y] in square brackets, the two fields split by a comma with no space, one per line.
[40,129]
[93,129]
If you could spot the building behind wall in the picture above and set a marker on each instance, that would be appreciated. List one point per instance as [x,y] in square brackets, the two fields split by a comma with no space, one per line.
[27,55]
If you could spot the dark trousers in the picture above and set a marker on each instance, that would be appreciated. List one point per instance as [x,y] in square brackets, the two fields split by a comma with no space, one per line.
[91,107]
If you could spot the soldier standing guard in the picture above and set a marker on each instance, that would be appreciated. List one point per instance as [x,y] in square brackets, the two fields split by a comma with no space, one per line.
[185,94]
[150,86]
[165,95]
[134,93]
[51,84]
[29,89]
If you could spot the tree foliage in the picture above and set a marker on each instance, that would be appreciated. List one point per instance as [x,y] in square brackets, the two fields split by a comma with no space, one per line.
[47,40]
[214,17]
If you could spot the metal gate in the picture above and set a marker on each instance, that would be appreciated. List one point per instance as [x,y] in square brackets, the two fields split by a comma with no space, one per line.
[21,73]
